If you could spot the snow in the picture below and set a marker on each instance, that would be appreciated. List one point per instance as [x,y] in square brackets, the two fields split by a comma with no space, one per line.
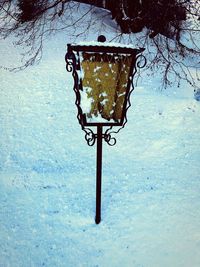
[151,177]
[86,102]
[106,44]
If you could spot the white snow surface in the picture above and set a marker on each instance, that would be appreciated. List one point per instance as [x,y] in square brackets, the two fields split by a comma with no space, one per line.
[106,44]
[151,177]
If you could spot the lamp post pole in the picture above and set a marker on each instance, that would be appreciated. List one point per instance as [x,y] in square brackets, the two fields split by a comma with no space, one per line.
[98,174]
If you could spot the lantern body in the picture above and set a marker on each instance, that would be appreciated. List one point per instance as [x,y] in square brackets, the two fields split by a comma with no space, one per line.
[103,81]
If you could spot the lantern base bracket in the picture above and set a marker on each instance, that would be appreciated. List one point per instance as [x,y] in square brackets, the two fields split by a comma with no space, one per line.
[91,137]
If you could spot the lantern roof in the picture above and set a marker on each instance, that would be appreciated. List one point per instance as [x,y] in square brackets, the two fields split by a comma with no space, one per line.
[110,44]
[95,46]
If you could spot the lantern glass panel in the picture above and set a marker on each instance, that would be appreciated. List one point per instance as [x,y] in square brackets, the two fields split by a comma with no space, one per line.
[105,79]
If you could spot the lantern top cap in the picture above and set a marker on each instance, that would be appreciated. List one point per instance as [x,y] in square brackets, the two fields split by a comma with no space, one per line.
[101,45]
[104,44]
[105,47]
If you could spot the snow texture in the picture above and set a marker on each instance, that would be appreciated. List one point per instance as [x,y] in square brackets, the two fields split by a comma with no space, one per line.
[110,44]
[151,177]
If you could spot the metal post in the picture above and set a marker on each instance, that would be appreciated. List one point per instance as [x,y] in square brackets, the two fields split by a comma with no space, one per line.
[98,175]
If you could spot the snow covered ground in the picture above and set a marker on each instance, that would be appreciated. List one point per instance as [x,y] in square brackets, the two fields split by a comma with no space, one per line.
[151,177]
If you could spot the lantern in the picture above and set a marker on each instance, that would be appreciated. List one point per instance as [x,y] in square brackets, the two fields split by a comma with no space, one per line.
[103,81]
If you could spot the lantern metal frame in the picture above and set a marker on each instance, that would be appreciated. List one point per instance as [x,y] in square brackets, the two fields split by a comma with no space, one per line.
[73,65]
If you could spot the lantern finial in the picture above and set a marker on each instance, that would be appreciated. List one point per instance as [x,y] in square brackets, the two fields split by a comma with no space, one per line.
[101,38]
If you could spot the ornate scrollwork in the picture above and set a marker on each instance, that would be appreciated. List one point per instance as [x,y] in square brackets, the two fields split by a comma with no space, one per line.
[90,137]
[69,66]
[141,61]
[70,60]
[111,141]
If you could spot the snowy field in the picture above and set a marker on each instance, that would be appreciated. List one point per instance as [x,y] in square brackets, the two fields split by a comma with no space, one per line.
[151,177]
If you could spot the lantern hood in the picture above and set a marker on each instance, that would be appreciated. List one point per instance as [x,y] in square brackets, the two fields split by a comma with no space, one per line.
[113,47]
[104,44]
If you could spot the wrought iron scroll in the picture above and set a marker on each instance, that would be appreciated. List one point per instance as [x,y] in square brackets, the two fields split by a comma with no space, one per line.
[140,62]
[111,141]
[72,65]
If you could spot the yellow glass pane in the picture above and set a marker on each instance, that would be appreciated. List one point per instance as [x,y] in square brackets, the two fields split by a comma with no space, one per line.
[104,82]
